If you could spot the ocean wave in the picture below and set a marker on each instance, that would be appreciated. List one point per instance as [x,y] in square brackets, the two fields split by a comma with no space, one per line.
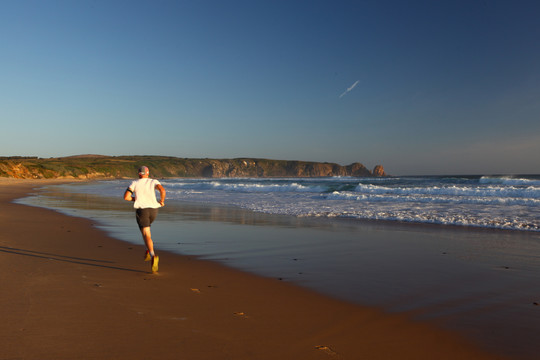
[247,187]
[409,198]
[484,191]
[326,186]
[508,180]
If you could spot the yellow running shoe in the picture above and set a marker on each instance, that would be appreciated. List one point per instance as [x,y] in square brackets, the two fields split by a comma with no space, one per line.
[155,261]
[147,256]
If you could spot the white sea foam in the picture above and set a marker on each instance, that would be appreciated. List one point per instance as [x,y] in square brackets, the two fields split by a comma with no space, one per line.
[486,191]
[244,186]
[433,199]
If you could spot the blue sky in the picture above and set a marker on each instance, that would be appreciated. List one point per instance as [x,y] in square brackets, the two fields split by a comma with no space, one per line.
[421,87]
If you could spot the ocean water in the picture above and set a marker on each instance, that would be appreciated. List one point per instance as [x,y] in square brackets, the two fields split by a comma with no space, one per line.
[500,202]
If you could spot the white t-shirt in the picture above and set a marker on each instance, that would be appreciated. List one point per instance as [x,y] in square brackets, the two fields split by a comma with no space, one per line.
[145,193]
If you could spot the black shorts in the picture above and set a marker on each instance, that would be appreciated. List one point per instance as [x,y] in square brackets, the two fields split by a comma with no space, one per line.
[145,217]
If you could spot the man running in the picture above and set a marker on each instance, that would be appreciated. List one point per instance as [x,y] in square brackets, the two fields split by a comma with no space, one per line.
[143,193]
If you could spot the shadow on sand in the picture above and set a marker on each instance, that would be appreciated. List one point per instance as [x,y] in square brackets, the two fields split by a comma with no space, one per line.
[69,259]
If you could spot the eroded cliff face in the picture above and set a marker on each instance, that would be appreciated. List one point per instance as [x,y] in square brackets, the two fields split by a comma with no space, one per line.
[269,168]
[92,167]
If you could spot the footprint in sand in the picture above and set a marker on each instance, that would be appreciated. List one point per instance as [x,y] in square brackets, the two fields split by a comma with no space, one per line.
[327,350]
[241,314]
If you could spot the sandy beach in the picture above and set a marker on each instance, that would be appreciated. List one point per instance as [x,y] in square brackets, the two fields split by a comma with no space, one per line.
[70,291]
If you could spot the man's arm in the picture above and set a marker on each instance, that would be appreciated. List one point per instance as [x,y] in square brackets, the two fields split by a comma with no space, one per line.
[162,193]
[128,195]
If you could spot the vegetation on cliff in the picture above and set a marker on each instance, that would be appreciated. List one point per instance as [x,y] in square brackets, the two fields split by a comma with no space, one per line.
[98,166]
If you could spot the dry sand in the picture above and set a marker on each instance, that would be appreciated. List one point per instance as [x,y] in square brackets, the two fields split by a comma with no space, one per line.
[69,291]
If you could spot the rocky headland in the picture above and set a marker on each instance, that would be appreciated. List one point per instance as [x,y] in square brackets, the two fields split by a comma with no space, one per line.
[98,166]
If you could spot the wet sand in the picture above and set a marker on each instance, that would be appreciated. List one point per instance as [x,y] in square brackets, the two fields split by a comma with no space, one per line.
[71,291]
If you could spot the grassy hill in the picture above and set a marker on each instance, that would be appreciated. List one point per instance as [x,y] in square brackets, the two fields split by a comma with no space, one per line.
[99,166]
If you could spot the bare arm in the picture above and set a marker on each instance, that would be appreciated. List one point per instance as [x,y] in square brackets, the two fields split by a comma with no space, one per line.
[128,195]
[162,194]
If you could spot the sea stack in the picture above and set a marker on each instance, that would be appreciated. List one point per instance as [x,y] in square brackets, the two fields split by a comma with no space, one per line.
[378,170]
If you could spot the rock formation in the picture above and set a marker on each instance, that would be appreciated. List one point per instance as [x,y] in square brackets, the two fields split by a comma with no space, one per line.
[378,170]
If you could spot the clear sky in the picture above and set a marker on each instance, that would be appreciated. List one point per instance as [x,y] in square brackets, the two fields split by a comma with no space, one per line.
[421,87]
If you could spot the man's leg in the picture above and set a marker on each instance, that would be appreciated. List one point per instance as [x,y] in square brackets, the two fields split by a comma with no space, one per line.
[145,217]
[147,236]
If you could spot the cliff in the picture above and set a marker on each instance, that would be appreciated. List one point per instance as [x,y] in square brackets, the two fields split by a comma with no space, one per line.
[97,166]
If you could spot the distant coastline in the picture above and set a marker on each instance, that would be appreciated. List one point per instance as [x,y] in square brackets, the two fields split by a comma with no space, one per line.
[102,167]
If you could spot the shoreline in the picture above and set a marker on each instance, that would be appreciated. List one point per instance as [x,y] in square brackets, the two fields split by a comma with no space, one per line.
[84,294]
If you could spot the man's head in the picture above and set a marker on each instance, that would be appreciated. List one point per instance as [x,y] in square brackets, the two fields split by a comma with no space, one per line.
[143,172]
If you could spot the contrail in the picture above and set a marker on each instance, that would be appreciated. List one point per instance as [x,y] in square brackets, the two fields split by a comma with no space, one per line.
[349,89]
